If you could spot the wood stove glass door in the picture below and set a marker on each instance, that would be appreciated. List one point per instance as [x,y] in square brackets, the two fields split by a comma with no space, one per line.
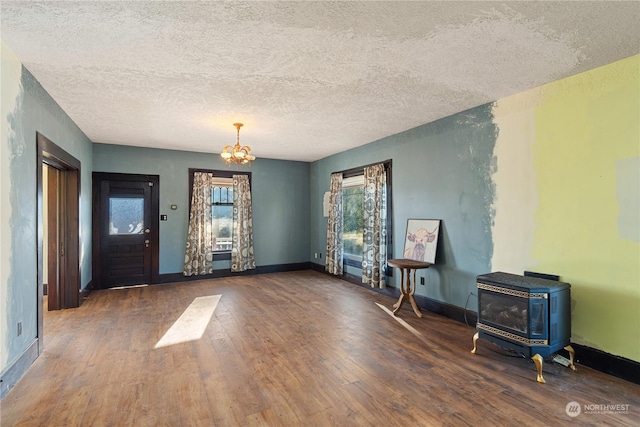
[538,318]
[506,311]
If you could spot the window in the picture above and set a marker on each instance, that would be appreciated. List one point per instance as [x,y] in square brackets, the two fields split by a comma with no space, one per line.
[352,217]
[353,213]
[221,209]
[222,214]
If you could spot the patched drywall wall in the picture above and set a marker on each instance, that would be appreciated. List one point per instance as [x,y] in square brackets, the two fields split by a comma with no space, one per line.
[441,170]
[516,199]
[26,111]
[627,183]
[9,96]
[22,294]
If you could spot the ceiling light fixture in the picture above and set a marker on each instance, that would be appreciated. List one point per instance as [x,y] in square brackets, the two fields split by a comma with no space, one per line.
[237,154]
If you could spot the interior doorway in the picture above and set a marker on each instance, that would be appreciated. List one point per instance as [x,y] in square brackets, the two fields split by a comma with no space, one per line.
[55,238]
[58,193]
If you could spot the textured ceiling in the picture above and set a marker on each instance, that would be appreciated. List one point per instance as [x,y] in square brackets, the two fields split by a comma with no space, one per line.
[308,79]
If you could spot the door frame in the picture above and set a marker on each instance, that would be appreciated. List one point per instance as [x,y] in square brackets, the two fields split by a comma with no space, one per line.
[55,272]
[53,155]
[154,236]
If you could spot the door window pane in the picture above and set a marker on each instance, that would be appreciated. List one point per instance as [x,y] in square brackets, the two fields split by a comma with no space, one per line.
[126,215]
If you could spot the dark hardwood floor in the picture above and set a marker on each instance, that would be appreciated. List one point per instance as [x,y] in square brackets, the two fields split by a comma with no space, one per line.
[288,349]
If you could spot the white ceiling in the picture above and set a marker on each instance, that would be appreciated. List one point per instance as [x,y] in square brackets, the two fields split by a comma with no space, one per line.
[308,79]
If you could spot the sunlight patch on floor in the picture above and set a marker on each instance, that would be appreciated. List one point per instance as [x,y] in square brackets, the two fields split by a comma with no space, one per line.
[402,322]
[192,322]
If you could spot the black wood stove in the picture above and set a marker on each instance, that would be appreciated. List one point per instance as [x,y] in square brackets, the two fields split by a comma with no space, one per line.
[528,315]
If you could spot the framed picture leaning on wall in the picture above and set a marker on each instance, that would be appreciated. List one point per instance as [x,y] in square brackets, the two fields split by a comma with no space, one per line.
[421,240]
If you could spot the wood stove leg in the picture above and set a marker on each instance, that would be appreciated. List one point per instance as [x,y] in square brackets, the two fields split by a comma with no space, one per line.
[572,357]
[475,340]
[537,359]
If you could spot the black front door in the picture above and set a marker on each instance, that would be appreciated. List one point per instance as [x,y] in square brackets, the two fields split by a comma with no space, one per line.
[126,214]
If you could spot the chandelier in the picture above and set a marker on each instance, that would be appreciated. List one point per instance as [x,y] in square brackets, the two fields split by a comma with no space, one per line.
[237,154]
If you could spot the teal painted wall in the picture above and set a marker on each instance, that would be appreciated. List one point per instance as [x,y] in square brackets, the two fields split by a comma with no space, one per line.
[32,110]
[441,170]
[280,200]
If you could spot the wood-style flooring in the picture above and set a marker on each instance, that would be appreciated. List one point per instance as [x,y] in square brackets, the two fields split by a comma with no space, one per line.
[288,349]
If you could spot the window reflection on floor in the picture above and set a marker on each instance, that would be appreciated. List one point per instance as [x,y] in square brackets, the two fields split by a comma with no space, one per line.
[192,323]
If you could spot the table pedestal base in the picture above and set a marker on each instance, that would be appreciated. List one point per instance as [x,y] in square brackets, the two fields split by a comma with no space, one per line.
[412,300]
[407,289]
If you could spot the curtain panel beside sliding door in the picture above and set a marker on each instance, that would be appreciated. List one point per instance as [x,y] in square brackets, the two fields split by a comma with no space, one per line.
[334,227]
[374,249]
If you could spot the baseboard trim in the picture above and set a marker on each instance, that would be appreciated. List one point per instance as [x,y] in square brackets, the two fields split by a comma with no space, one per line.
[261,269]
[84,292]
[280,268]
[317,267]
[13,373]
[459,314]
[620,367]
[616,366]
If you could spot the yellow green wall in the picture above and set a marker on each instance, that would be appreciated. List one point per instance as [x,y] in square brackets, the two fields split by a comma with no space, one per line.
[574,199]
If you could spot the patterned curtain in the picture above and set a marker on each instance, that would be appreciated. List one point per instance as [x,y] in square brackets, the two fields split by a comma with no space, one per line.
[374,248]
[242,237]
[334,227]
[198,258]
